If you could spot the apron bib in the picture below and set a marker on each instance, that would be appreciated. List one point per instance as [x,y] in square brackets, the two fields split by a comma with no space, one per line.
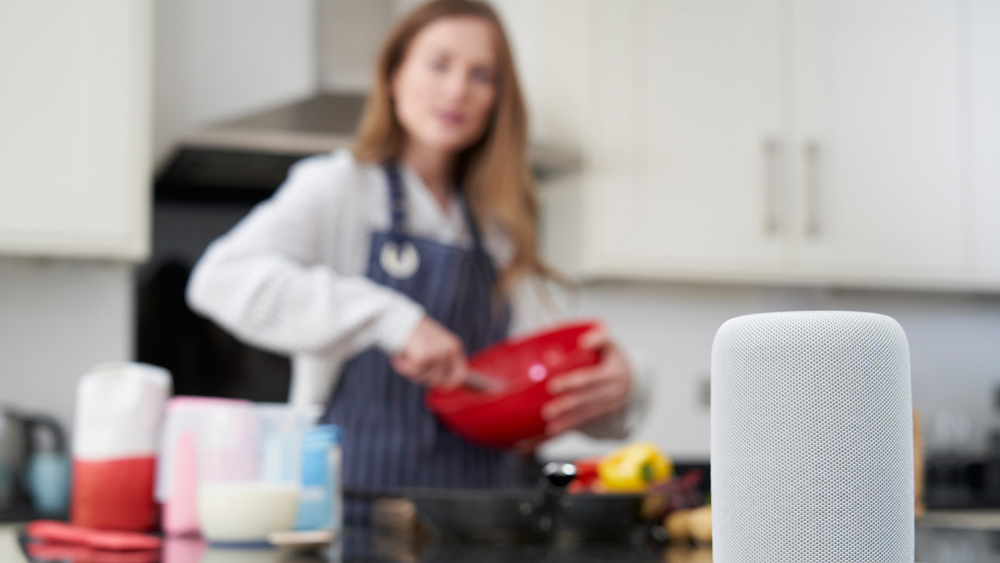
[391,441]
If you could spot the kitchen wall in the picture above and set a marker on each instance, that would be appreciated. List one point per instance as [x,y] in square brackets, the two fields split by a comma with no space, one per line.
[218,59]
[214,60]
[669,327]
[953,338]
[221,59]
[58,318]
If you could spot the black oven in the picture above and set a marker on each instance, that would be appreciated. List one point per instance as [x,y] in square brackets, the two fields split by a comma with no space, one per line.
[200,195]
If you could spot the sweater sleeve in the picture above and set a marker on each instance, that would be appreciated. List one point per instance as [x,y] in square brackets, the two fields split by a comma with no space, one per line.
[263,280]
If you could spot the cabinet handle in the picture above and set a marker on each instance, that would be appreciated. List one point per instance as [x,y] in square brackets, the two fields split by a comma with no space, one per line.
[770,153]
[812,225]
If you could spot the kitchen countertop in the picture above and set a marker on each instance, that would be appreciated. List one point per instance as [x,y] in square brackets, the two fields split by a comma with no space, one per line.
[10,550]
[942,537]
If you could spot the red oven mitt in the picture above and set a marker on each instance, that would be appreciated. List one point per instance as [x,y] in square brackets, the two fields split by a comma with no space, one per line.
[53,532]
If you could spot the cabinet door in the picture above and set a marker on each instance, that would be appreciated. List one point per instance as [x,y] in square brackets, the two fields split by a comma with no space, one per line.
[984,118]
[685,150]
[877,154]
[74,127]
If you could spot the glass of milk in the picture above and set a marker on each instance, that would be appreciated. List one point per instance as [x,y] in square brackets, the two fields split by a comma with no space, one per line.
[249,471]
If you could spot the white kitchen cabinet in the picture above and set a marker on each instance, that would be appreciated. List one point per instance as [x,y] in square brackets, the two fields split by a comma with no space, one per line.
[876,152]
[74,128]
[983,66]
[795,141]
[688,151]
[683,121]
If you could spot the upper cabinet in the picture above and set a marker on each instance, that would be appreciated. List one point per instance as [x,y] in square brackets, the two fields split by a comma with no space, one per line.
[75,128]
[983,101]
[680,107]
[685,151]
[785,141]
[876,153]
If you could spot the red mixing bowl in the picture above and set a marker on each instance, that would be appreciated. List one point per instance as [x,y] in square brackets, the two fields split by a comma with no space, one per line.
[501,419]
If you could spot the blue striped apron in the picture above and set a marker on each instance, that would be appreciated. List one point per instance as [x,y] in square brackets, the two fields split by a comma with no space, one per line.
[391,441]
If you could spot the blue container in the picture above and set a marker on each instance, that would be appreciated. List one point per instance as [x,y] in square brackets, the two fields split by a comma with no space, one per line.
[319,503]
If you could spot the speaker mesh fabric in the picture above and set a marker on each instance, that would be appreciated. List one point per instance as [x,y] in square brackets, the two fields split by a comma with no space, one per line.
[812,452]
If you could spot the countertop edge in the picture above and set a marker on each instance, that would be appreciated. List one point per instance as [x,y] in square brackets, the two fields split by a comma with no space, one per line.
[10,549]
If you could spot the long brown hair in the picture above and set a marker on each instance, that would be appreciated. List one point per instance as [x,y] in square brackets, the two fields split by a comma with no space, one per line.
[494,171]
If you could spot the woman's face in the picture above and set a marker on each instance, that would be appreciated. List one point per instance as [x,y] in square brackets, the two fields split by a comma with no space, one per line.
[444,89]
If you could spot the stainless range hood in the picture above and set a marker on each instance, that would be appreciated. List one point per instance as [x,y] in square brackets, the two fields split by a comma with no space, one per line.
[246,159]
[315,125]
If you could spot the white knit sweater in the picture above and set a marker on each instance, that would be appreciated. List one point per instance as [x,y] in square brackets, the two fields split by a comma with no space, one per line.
[290,277]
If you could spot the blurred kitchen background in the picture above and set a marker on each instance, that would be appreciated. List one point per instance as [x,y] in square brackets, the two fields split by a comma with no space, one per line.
[698,160]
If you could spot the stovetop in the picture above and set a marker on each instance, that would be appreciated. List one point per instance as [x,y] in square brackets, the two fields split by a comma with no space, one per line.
[385,549]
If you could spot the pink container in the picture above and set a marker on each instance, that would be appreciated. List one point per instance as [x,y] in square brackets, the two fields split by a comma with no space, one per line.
[177,468]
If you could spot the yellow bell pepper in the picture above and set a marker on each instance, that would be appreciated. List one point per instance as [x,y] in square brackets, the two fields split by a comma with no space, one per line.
[635,467]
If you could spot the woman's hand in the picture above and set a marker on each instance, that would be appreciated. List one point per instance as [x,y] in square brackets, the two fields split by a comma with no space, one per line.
[433,356]
[590,393]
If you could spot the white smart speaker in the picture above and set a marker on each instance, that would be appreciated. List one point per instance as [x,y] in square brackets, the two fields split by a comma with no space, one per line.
[812,439]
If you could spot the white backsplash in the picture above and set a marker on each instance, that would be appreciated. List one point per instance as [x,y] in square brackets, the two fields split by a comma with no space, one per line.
[954,346]
[60,317]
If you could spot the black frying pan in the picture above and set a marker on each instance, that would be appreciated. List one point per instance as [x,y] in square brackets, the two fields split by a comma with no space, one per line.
[539,514]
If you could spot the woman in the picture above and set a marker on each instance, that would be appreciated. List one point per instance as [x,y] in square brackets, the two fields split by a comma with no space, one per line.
[380,269]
